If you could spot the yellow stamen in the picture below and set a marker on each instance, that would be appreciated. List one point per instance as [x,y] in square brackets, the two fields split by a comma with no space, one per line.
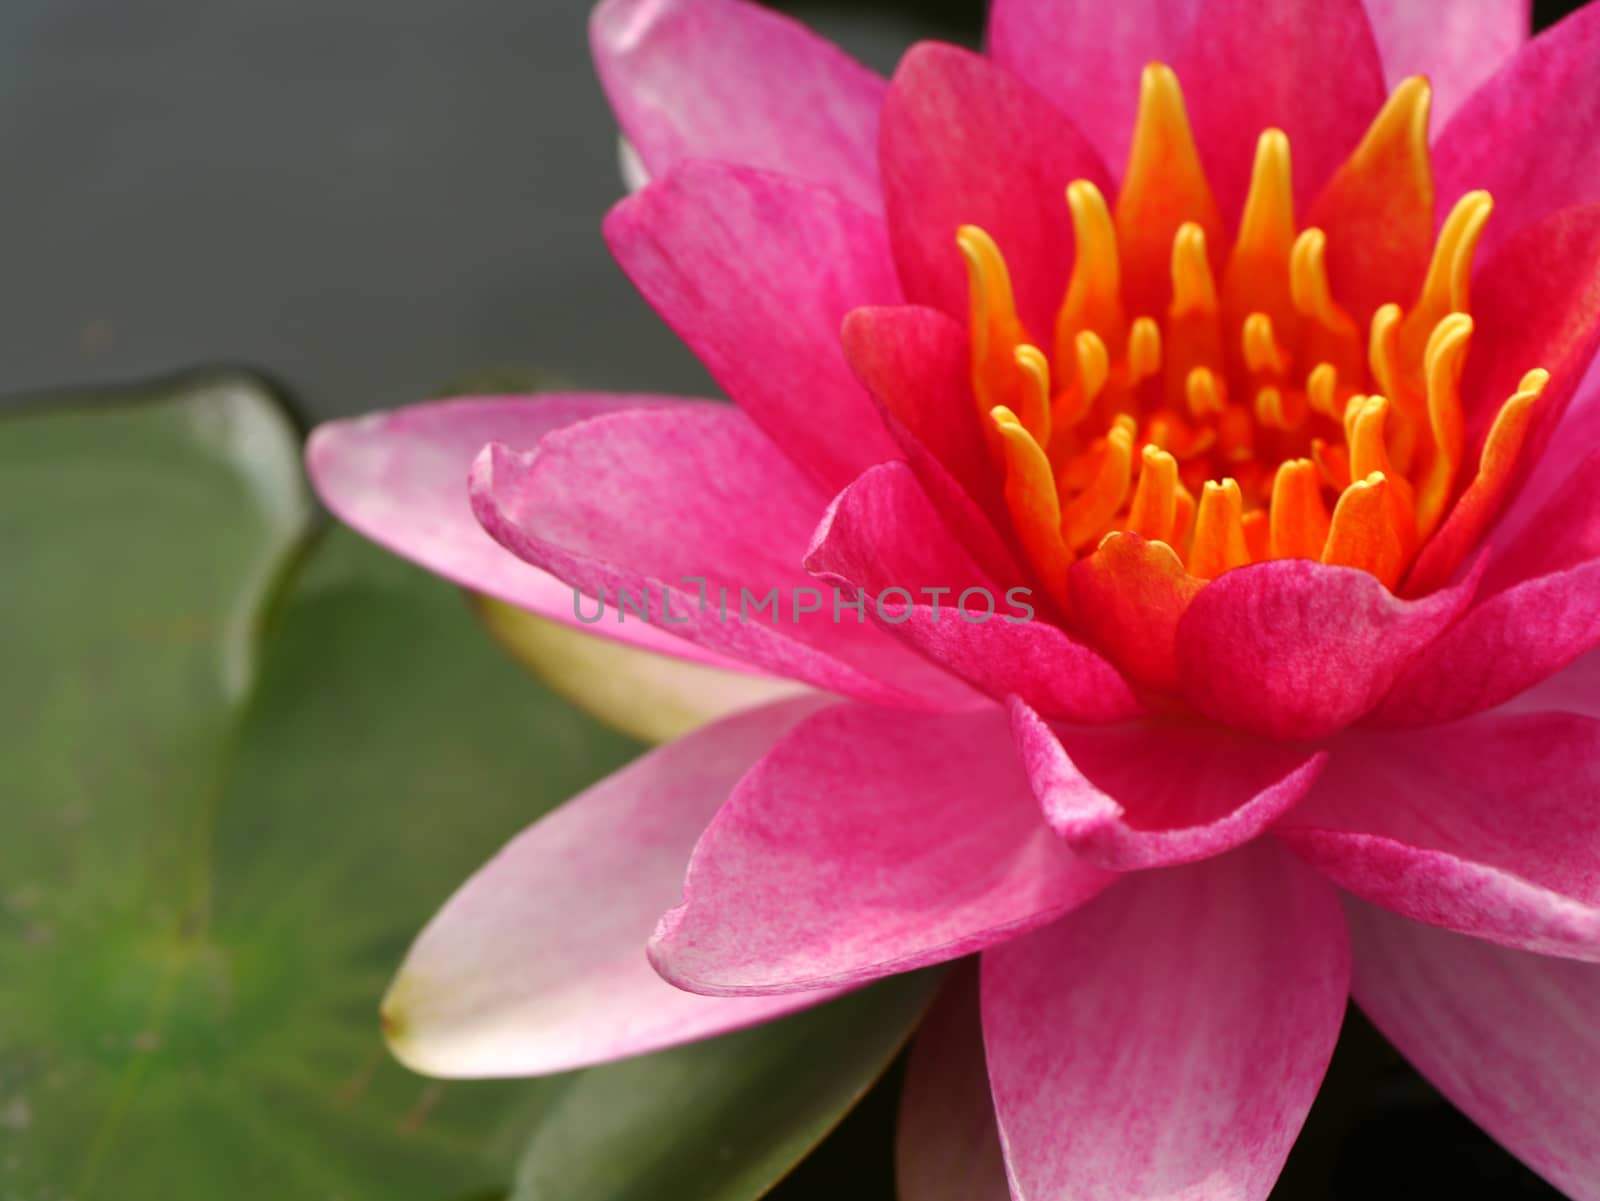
[1360,533]
[1030,495]
[1257,272]
[1089,513]
[1163,187]
[1219,543]
[1154,511]
[1094,295]
[1299,519]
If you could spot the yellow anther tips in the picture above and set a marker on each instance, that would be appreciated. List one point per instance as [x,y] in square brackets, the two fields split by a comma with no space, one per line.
[1219,542]
[1308,283]
[1362,533]
[1144,349]
[1262,354]
[1094,294]
[1193,288]
[1094,363]
[1268,222]
[1204,393]
[1153,512]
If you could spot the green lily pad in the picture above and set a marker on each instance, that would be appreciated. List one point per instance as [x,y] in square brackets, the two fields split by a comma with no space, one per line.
[242,765]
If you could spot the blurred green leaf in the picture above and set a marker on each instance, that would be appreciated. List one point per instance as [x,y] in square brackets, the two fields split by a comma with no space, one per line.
[217,844]
[720,1120]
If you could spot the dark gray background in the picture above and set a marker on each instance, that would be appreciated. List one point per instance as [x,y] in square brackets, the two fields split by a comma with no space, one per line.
[367,198]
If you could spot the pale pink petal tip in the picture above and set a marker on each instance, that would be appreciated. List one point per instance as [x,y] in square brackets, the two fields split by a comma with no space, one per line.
[537,964]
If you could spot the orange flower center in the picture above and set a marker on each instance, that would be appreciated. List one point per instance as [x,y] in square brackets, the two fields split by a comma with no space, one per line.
[1225,404]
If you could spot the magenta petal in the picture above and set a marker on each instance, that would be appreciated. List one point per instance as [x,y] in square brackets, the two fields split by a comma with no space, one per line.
[868,842]
[1167,1039]
[1157,793]
[537,963]
[947,1146]
[1527,135]
[400,478]
[1503,645]
[699,519]
[1457,44]
[1295,649]
[880,536]
[1574,689]
[756,273]
[1511,1038]
[1279,46]
[1489,827]
[1086,56]
[967,143]
[915,361]
[723,79]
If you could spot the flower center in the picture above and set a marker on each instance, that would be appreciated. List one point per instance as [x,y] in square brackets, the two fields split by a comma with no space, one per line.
[1226,405]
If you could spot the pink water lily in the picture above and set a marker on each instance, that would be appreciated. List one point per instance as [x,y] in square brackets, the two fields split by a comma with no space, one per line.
[1170,314]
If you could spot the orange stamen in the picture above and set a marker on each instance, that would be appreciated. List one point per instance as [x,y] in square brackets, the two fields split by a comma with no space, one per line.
[1252,388]
[1219,543]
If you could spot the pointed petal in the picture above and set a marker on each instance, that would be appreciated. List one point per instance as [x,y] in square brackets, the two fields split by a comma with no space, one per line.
[1282,47]
[1511,1038]
[1158,793]
[1527,134]
[947,1146]
[1295,649]
[537,964]
[880,537]
[1086,57]
[1490,827]
[1167,1039]
[1457,44]
[868,842]
[400,478]
[967,143]
[756,272]
[915,363]
[727,80]
[699,519]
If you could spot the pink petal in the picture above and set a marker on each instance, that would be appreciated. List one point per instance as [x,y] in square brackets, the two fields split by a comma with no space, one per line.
[1512,1038]
[1504,645]
[537,963]
[915,363]
[1086,56]
[697,516]
[967,143]
[1574,689]
[1157,793]
[1490,827]
[1295,649]
[1527,135]
[723,79]
[1457,44]
[756,272]
[1279,46]
[868,842]
[1166,1040]
[1541,613]
[1536,303]
[400,478]
[880,536]
[947,1146]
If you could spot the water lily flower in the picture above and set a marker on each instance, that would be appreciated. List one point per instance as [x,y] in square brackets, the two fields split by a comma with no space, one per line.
[1171,314]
